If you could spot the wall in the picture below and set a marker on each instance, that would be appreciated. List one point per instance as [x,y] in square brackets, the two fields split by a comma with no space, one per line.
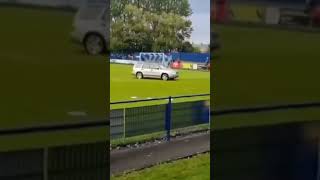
[191,57]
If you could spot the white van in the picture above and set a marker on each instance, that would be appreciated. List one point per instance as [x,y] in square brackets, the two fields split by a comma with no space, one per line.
[90,27]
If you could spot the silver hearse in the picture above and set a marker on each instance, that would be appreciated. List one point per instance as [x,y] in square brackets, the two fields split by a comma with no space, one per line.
[153,70]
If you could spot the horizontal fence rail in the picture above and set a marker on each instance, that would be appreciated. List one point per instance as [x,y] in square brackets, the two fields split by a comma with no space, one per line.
[135,121]
[265,108]
[52,128]
[157,99]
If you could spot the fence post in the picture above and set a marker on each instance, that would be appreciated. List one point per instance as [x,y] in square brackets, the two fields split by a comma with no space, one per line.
[318,154]
[124,123]
[209,114]
[168,118]
[45,163]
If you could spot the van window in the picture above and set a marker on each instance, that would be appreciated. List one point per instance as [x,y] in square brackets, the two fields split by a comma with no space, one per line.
[90,13]
[155,66]
[104,15]
[138,65]
[146,66]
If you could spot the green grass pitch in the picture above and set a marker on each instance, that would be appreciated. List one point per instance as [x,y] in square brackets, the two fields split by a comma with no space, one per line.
[124,86]
[265,66]
[44,76]
[195,168]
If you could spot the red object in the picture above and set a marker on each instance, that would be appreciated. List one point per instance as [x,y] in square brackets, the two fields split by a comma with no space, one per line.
[315,15]
[176,65]
[221,11]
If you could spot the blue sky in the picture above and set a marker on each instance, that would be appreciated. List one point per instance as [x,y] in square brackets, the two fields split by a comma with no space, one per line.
[200,21]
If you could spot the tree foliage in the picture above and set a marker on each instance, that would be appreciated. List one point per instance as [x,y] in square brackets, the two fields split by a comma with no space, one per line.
[149,25]
[180,7]
[188,47]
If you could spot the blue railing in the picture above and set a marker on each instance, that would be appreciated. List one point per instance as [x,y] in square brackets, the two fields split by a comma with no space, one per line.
[135,121]
[279,107]
[190,57]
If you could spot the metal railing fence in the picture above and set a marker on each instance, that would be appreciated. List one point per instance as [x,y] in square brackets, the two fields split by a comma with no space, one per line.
[75,161]
[134,121]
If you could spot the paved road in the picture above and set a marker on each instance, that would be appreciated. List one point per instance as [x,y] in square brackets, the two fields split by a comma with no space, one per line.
[125,160]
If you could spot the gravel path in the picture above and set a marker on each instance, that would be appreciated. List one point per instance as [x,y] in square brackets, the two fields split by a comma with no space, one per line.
[128,159]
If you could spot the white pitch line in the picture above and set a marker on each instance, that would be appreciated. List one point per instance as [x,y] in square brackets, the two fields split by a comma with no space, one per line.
[77,113]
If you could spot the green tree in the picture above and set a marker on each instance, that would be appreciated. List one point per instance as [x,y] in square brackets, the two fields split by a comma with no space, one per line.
[188,47]
[139,30]
[170,31]
[131,34]
[180,7]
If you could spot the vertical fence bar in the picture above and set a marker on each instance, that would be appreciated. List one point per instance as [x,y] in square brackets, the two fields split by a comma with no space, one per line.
[209,115]
[124,123]
[318,154]
[168,118]
[45,163]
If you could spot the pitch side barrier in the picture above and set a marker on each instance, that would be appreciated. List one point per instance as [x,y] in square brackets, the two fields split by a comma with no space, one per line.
[54,128]
[171,114]
[279,151]
[62,8]
[265,108]
[84,161]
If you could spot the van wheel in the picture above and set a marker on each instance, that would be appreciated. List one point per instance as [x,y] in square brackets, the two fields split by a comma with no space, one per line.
[139,75]
[165,77]
[94,44]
